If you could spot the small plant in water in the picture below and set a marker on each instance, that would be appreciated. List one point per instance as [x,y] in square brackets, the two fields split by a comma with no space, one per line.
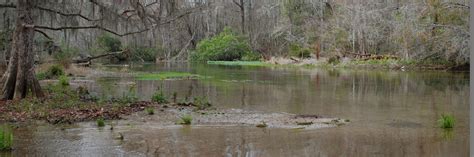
[100,122]
[6,139]
[446,121]
[202,103]
[186,119]
[159,97]
[150,111]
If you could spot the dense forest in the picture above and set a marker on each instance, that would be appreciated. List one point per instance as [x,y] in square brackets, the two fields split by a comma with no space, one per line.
[173,29]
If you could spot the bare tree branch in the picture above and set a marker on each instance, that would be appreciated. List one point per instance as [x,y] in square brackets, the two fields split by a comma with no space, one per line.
[43,33]
[67,14]
[7,6]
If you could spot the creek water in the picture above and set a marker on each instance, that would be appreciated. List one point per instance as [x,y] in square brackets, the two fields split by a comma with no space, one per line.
[391,113]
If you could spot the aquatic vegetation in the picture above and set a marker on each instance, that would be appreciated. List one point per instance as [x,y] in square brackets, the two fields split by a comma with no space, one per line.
[186,119]
[100,122]
[166,75]
[240,63]
[6,139]
[201,103]
[446,121]
[150,111]
[159,97]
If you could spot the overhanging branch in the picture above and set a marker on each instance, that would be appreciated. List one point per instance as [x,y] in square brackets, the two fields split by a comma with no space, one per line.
[67,14]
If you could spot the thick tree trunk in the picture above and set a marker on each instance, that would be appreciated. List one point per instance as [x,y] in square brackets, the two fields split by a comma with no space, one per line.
[20,78]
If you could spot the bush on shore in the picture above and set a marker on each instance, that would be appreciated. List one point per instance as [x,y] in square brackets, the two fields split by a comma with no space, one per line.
[226,46]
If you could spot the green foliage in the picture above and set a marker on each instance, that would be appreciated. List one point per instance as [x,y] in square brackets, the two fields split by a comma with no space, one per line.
[150,111]
[109,43]
[201,103]
[6,139]
[140,53]
[226,46]
[250,56]
[65,55]
[100,122]
[446,121]
[186,119]
[159,97]
[298,51]
[63,80]
[55,70]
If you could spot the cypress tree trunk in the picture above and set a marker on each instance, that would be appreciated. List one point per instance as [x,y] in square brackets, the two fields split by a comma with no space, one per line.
[20,76]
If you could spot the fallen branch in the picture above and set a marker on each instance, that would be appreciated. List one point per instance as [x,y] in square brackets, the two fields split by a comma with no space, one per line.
[88,59]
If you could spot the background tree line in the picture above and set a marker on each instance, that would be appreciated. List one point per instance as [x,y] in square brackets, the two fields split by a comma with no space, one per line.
[434,30]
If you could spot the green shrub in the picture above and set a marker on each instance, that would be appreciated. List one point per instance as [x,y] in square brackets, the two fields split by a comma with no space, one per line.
[109,43]
[41,76]
[141,53]
[250,56]
[63,80]
[159,97]
[100,122]
[446,121]
[150,111]
[226,46]
[186,119]
[53,72]
[298,51]
[6,139]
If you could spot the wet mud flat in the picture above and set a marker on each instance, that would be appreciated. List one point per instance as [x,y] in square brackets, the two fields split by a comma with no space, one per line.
[171,114]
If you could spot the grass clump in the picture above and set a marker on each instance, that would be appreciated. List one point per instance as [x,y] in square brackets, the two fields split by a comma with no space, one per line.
[186,120]
[201,103]
[6,139]
[165,75]
[63,80]
[159,97]
[100,122]
[446,121]
[150,111]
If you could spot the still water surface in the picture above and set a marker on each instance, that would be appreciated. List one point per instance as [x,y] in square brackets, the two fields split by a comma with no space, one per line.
[392,113]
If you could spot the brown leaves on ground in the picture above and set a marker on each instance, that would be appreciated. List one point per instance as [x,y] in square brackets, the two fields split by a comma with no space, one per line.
[9,112]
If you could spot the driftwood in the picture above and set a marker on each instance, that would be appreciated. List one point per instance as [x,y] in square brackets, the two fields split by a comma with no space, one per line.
[88,59]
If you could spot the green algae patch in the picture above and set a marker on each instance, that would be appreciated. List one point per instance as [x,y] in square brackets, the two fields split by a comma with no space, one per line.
[240,63]
[166,75]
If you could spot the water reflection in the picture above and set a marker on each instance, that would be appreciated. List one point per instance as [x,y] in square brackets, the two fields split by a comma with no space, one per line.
[392,114]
